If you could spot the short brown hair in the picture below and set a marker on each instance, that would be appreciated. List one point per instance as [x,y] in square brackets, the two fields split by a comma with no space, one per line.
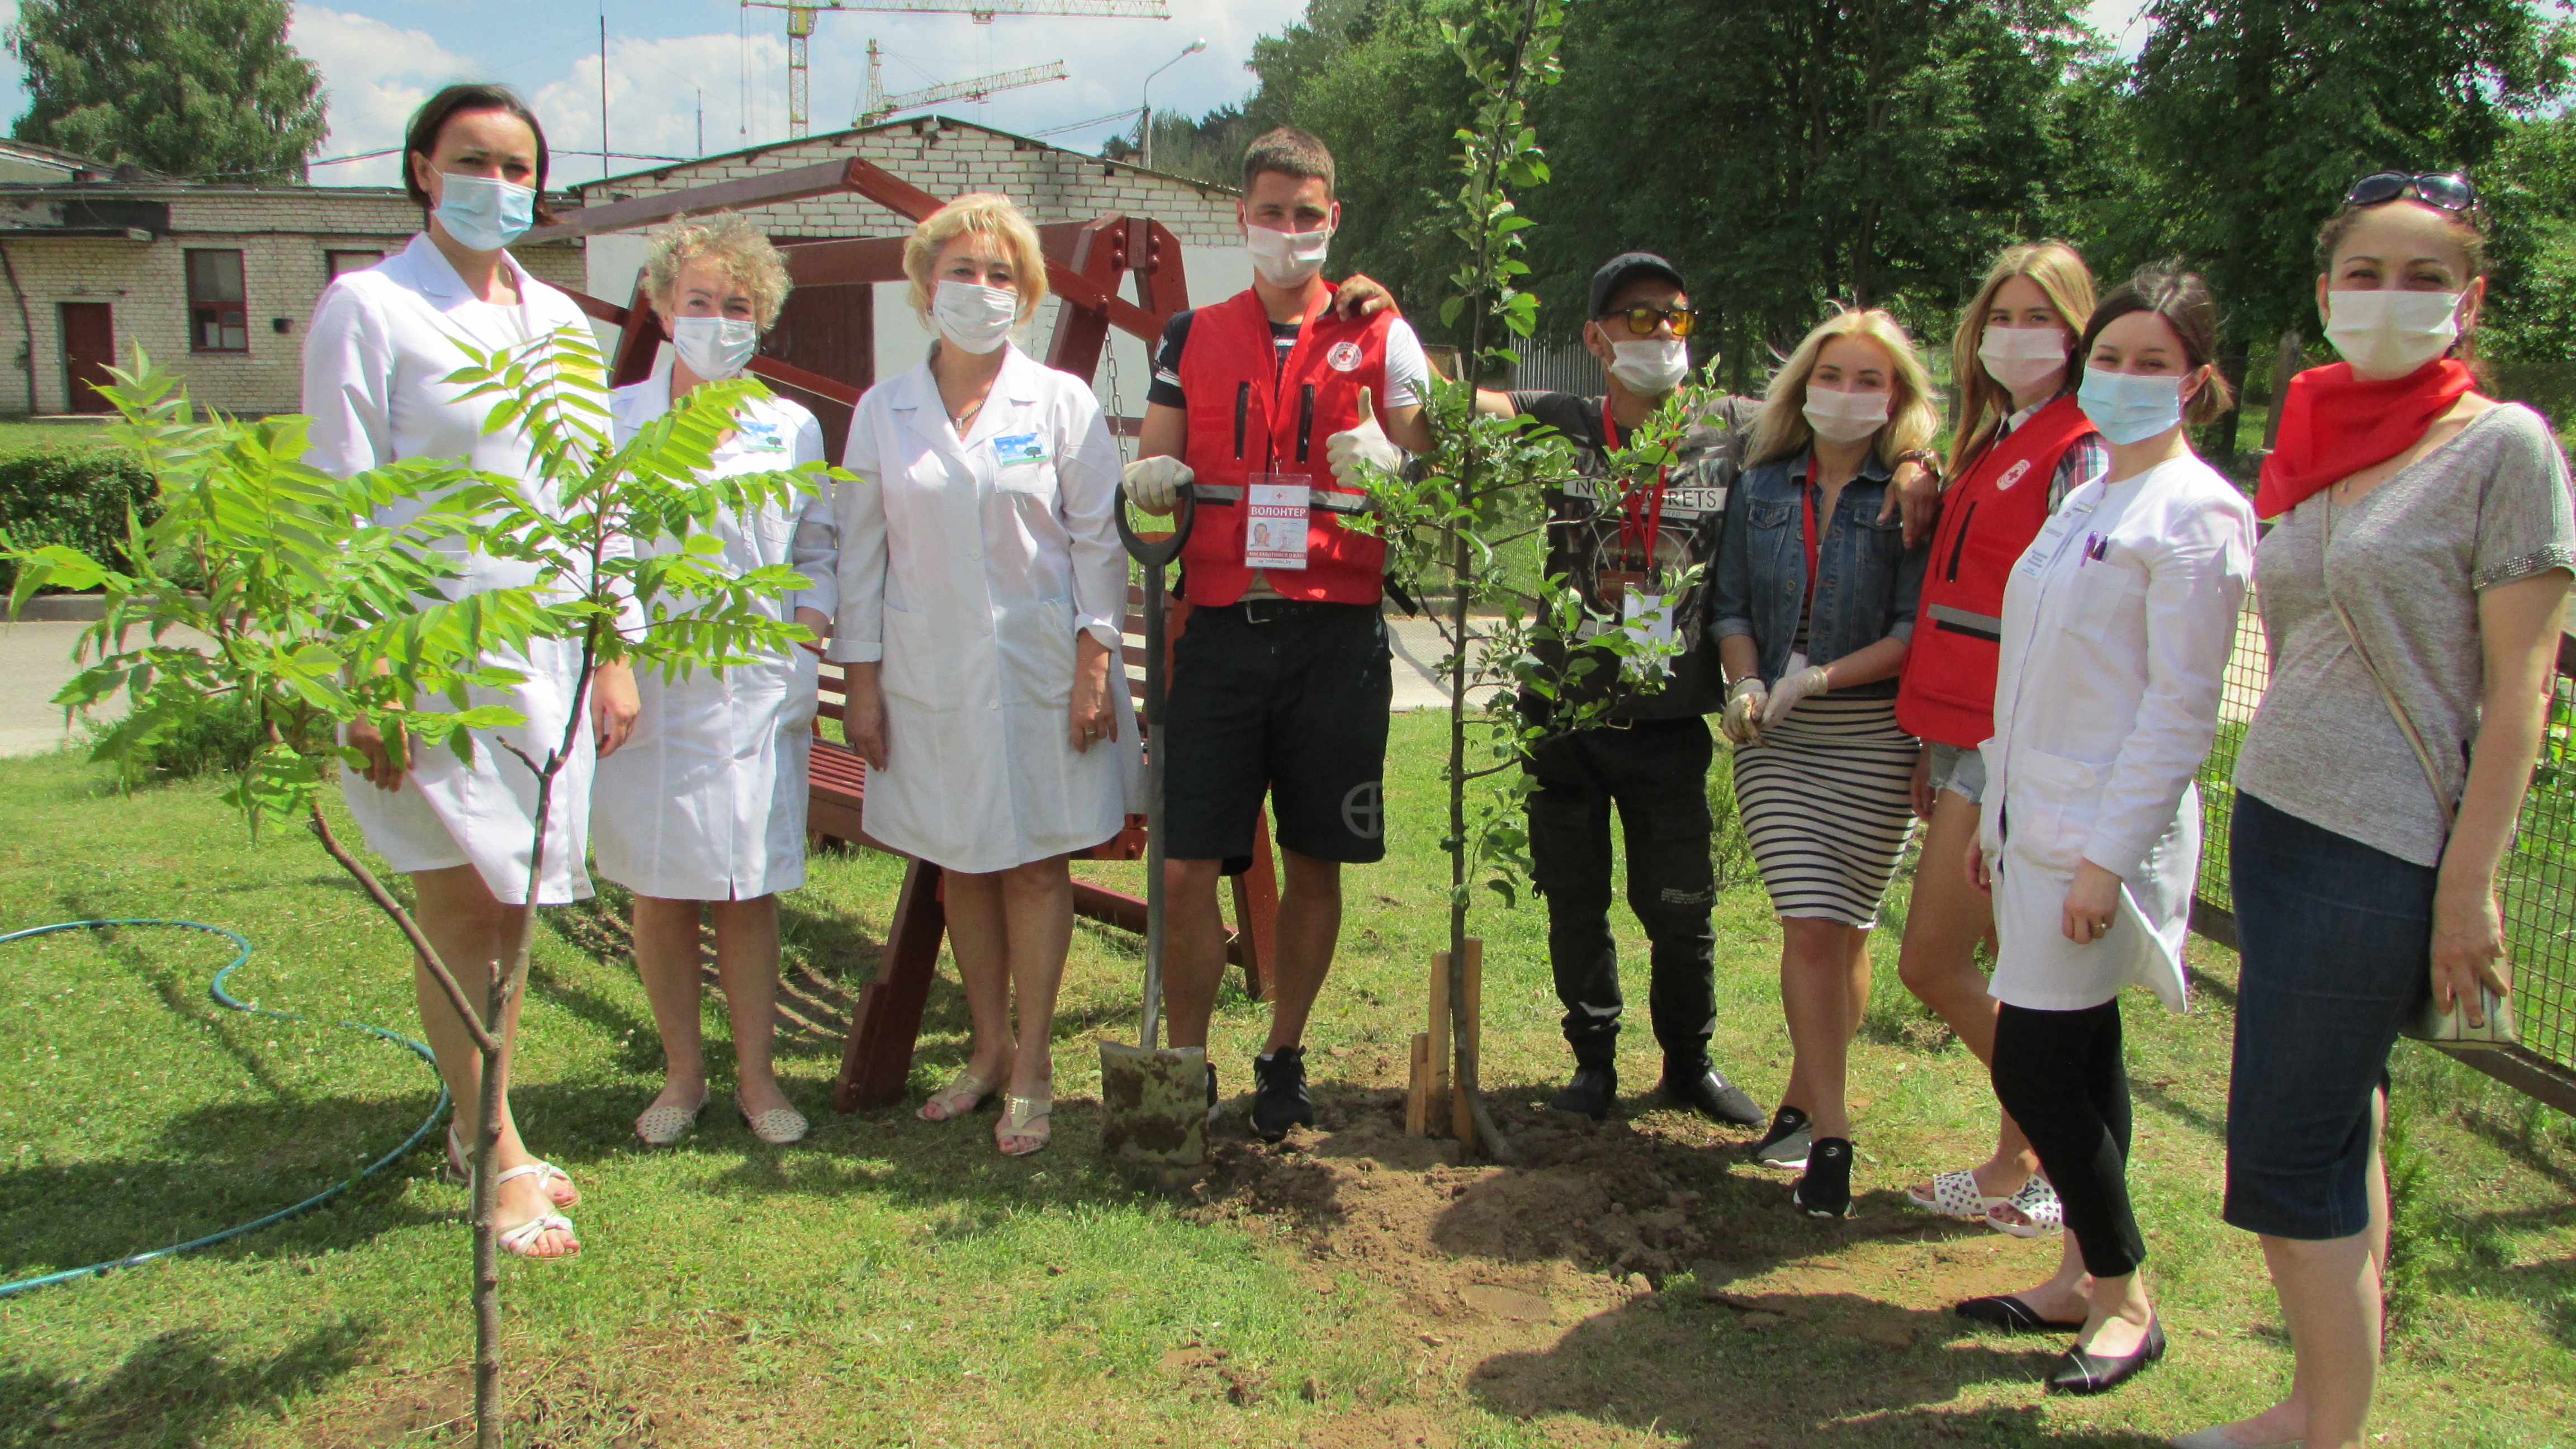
[1290,152]
[421,137]
[2189,308]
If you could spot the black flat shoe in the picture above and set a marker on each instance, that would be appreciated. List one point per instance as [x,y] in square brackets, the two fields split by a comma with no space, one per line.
[1705,1090]
[1279,1099]
[1825,1192]
[1591,1093]
[2011,1315]
[2079,1372]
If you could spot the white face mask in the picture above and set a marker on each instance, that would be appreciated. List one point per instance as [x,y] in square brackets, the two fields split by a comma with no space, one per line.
[2021,358]
[975,317]
[1651,367]
[2392,332]
[715,348]
[1845,417]
[484,213]
[2128,407]
[1287,258]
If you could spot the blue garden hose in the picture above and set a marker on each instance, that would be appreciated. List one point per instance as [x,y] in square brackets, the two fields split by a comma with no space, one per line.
[226,999]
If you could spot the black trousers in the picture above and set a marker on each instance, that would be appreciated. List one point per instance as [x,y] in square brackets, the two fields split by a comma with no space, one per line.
[1656,773]
[2061,1075]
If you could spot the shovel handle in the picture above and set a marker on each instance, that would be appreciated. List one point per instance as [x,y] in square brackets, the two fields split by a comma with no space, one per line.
[1156,554]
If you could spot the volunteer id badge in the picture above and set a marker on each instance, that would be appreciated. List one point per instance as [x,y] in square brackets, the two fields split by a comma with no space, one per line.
[1019,448]
[752,435]
[1275,520]
[1648,618]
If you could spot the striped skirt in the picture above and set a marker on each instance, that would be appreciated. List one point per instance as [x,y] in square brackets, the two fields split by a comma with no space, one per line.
[1827,800]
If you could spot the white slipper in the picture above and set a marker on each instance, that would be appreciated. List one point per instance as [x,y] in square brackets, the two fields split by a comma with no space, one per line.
[2037,1202]
[1955,1195]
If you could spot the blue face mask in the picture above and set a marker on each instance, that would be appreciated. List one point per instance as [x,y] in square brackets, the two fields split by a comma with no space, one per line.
[2128,408]
[485,213]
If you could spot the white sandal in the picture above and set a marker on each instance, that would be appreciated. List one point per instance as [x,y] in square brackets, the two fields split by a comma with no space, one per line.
[962,1095]
[1025,1117]
[516,1240]
[2042,1214]
[1955,1195]
[459,1172]
[662,1124]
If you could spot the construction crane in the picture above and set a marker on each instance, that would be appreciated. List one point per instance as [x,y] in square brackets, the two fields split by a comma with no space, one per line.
[801,15]
[880,105]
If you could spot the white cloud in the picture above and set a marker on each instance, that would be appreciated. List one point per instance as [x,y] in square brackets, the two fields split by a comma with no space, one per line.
[376,75]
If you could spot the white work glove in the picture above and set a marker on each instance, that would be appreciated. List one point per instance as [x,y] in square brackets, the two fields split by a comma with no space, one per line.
[1155,484]
[1366,443]
[1742,721]
[1786,694]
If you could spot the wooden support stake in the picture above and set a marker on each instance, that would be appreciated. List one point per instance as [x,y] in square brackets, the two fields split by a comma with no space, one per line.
[1417,1097]
[1462,1118]
[1439,1043]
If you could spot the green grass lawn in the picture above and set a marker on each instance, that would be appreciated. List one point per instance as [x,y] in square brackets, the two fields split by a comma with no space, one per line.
[891,1282]
[15,436]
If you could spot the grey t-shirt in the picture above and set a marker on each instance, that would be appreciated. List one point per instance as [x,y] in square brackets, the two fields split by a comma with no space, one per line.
[2409,561]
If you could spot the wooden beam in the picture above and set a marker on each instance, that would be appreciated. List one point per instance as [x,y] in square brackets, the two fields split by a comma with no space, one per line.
[820,179]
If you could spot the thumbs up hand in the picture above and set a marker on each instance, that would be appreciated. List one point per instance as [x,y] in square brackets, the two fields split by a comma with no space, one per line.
[1366,443]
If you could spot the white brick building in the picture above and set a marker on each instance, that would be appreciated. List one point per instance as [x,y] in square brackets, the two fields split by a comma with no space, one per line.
[945,157]
[217,282]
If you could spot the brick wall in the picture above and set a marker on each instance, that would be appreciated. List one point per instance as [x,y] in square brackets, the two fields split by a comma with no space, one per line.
[282,234]
[946,158]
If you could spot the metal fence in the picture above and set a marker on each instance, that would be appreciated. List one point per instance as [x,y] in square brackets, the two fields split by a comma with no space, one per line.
[2537,880]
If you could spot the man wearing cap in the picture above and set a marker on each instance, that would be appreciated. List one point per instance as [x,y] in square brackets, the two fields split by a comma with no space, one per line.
[1618,547]
[1262,408]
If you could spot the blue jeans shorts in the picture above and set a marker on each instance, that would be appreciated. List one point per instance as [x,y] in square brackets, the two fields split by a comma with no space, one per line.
[1961,770]
[2337,944]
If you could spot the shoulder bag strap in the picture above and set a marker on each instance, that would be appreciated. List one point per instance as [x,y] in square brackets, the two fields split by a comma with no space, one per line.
[2405,722]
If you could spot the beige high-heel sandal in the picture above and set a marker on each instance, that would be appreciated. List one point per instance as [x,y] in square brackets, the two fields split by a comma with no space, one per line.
[962,1095]
[1026,1119]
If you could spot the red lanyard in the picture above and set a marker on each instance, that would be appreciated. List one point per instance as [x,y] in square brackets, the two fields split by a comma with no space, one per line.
[1641,518]
[1807,496]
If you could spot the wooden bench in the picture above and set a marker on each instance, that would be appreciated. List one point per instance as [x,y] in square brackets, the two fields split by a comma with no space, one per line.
[877,1060]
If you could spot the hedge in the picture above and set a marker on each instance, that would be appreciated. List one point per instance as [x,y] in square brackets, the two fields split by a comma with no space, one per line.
[76,496]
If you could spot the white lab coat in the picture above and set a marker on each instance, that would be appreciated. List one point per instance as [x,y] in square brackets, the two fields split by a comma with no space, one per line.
[706,800]
[379,343]
[2116,629]
[967,568]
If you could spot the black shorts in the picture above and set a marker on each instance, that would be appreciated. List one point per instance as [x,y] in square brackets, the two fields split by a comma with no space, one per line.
[1294,707]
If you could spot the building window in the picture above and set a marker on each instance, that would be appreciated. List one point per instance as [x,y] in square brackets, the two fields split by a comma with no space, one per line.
[216,319]
[340,263]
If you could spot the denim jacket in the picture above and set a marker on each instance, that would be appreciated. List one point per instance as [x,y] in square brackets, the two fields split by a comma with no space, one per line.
[1867,580]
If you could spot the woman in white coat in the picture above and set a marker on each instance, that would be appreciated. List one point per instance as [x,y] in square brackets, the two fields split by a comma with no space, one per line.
[380,341]
[2117,624]
[705,807]
[982,589]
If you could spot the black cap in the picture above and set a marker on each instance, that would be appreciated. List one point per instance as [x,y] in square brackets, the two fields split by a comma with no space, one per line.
[1615,273]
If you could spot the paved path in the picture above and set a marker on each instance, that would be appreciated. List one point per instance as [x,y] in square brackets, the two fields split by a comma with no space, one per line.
[35,660]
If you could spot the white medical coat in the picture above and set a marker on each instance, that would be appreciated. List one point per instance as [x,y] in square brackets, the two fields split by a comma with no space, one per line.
[379,342]
[968,566]
[706,800]
[2116,629]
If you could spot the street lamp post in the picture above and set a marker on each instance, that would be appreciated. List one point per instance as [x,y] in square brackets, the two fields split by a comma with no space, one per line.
[1145,107]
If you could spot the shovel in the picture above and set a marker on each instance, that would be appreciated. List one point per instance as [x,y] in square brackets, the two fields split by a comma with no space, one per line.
[1153,1100]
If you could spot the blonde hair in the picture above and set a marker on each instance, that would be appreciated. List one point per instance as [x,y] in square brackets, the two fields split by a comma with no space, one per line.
[735,242]
[1912,420]
[986,214]
[2062,277]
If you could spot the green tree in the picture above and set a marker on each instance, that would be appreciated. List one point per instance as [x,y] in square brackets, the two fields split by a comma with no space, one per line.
[182,87]
[2253,116]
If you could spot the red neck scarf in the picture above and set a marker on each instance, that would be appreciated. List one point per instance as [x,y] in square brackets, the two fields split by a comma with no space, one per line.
[2333,425]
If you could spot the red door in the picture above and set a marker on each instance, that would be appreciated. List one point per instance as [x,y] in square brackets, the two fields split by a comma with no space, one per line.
[89,349]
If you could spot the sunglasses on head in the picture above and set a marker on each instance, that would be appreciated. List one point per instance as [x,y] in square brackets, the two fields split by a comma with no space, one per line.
[2449,190]
[1643,318]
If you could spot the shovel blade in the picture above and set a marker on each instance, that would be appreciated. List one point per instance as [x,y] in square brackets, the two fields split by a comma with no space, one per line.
[1153,1105]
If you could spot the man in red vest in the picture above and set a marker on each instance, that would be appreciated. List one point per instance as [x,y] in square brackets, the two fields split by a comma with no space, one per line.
[1261,406]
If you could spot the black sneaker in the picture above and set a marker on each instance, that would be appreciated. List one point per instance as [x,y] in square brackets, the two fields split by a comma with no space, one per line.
[1705,1089]
[1279,1099]
[1590,1094]
[1787,1143]
[1825,1192]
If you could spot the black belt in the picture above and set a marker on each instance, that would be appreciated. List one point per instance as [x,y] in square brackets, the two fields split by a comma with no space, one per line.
[1280,611]
[1316,498]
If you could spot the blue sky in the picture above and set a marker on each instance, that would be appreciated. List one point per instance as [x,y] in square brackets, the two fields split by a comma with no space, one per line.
[379,58]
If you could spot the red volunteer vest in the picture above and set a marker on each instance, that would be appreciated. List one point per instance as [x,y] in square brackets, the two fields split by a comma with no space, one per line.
[1250,414]
[1947,692]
